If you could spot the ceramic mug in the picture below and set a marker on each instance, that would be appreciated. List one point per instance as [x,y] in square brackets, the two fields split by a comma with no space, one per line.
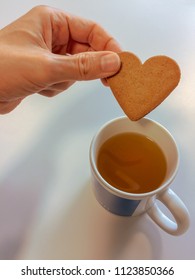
[132,204]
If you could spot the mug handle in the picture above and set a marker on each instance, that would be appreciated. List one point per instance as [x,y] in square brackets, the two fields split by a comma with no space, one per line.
[177,209]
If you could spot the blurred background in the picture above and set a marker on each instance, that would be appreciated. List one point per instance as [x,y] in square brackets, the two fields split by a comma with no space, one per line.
[47,208]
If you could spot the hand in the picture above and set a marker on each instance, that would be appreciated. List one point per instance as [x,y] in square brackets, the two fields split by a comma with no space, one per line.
[46,51]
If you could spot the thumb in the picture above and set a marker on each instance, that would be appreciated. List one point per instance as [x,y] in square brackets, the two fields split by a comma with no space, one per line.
[87,66]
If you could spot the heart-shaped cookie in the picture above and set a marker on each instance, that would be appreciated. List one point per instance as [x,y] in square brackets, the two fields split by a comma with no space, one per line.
[139,88]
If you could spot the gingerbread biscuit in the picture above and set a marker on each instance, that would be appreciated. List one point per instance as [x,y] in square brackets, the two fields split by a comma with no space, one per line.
[139,88]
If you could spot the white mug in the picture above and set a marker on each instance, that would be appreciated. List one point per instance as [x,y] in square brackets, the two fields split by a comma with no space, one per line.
[132,204]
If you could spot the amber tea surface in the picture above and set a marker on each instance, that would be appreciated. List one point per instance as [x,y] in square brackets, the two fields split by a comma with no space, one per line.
[132,163]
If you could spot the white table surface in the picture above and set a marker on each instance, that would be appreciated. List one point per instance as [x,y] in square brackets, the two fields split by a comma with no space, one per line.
[47,208]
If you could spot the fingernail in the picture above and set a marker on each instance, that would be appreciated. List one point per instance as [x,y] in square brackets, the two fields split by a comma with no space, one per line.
[110,63]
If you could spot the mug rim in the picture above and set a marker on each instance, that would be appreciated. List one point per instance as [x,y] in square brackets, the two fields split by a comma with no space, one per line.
[119,192]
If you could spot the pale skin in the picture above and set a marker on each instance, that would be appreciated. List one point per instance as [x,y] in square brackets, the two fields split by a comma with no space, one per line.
[47,50]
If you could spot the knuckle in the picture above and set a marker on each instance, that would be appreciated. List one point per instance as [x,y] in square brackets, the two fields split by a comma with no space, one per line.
[41,9]
[84,64]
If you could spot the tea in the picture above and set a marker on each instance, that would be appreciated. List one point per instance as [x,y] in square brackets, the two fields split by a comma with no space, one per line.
[132,163]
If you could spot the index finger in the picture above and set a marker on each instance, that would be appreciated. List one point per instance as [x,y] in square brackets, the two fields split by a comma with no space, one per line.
[83,31]
[89,32]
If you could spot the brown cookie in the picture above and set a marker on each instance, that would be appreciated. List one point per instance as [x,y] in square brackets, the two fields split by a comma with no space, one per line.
[139,88]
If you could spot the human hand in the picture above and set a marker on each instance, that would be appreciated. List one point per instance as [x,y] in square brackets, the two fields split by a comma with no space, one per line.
[46,51]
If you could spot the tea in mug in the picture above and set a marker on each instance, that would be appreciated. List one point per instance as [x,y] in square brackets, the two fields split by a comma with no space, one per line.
[132,162]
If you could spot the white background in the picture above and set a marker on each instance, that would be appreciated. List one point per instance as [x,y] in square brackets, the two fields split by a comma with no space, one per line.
[93,269]
[47,208]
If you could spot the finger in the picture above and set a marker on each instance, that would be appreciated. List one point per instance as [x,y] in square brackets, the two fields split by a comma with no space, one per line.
[6,107]
[56,89]
[105,82]
[81,31]
[86,31]
[86,66]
